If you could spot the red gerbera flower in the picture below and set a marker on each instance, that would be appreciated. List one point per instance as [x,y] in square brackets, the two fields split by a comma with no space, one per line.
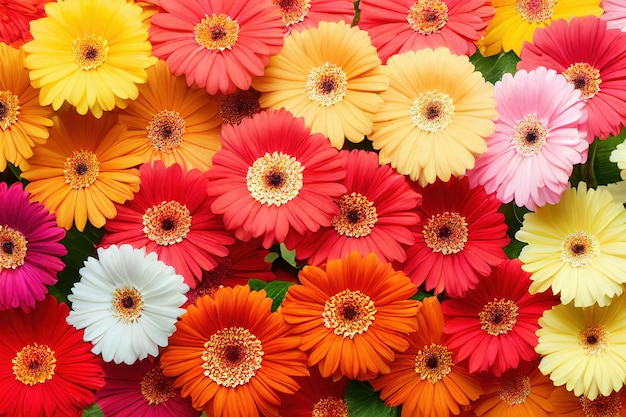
[460,236]
[171,216]
[15,17]
[219,45]
[494,324]
[591,57]
[272,175]
[376,213]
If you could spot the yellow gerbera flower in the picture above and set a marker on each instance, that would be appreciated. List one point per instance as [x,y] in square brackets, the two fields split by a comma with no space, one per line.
[89,53]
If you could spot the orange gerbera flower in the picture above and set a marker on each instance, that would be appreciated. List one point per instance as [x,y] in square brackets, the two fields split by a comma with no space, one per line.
[354,315]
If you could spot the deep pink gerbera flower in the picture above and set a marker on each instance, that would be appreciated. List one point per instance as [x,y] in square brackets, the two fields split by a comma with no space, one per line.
[15,17]
[30,249]
[301,14]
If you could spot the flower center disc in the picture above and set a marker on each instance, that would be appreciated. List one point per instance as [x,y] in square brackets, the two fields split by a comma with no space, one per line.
[155,387]
[446,233]
[81,169]
[529,136]
[90,51]
[34,364]
[432,111]
[293,11]
[166,130]
[428,16]
[327,84]
[602,406]
[9,109]
[535,11]
[585,78]
[579,248]
[498,317]
[242,104]
[167,223]
[275,179]
[358,216]
[330,407]
[127,304]
[349,313]
[232,356]
[593,340]
[216,32]
[433,362]
[12,248]
[514,388]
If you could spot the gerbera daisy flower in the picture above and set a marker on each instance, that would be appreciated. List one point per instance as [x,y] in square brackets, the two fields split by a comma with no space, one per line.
[141,390]
[218,45]
[377,214]
[273,175]
[30,249]
[351,309]
[242,104]
[23,122]
[494,324]
[537,142]
[398,26]
[301,14]
[232,355]
[437,113]
[330,75]
[82,169]
[170,215]
[96,58]
[15,16]
[172,122]
[614,14]
[577,247]
[46,369]
[583,348]
[592,58]
[515,21]
[424,379]
[460,236]
[566,404]
[128,302]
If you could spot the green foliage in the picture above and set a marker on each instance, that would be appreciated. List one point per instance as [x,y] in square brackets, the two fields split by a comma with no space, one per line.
[276,290]
[514,216]
[288,255]
[93,411]
[607,172]
[493,67]
[364,402]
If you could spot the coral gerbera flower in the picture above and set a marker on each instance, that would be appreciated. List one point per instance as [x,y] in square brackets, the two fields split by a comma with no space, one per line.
[127,301]
[330,75]
[172,122]
[592,58]
[494,324]
[46,369]
[23,122]
[218,45]
[170,215]
[515,21]
[398,26]
[96,58]
[273,175]
[576,247]
[350,309]
[232,355]
[584,348]
[30,249]
[301,14]
[83,168]
[461,235]
[424,379]
[437,113]
[15,17]
[377,214]
[566,404]
[614,14]
[537,142]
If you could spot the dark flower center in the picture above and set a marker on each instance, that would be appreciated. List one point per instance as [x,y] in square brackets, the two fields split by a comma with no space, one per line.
[328,85]
[3,110]
[167,224]
[8,247]
[34,364]
[128,302]
[432,112]
[349,313]
[81,168]
[233,353]
[531,137]
[353,216]
[218,33]
[592,340]
[432,362]
[580,82]
[275,179]
[444,232]
[578,249]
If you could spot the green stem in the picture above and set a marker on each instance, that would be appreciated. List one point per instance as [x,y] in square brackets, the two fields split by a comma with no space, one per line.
[589,167]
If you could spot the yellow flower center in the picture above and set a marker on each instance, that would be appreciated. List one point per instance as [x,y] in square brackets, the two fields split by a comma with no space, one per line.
[127,304]
[432,111]
[275,179]
[327,84]
[602,406]
[349,313]
[9,109]
[585,78]
[90,51]
[155,387]
[498,316]
[358,216]
[34,364]
[579,248]
[330,407]
[529,136]
[593,340]
[12,248]
[232,356]
[428,16]
[535,11]
[446,233]
[433,362]
[242,104]
[167,223]
[514,388]
[293,11]
[216,32]
[166,130]
[81,169]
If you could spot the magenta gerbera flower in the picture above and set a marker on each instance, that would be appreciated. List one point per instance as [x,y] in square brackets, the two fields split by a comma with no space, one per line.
[30,249]
[537,142]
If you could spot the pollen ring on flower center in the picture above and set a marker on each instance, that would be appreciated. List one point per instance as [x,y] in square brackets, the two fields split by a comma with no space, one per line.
[34,364]
[81,169]
[433,362]
[127,304]
[432,111]
[90,51]
[9,109]
[514,388]
[330,406]
[275,178]
[293,11]
[579,248]
[446,232]
[498,317]
[349,313]
[585,78]
[357,217]
[155,387]
[216,32]
[529,136]
[535,11]
[13,248]
[327,84]
[428,16]
[165,130]
[167,223]
[593,340]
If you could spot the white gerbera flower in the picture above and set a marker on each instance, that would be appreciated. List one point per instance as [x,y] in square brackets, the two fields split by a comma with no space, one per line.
[128,303]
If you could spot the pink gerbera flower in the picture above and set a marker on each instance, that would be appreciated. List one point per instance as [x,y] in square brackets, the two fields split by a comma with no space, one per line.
[273,176]
[301,14]
[397,26]
[592,58]
[376,214]
[171,216]
[219,45]
[30,251]
[15,17]
[537,141]
[494,324]
[614,14]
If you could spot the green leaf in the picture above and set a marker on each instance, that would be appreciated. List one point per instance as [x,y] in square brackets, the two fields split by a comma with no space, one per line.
[288,255]
[271,257]
[493,67]
[607,172]
[93,411]
[419,296]
[513,217]
[256,284]
[276,290]
[364,402]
